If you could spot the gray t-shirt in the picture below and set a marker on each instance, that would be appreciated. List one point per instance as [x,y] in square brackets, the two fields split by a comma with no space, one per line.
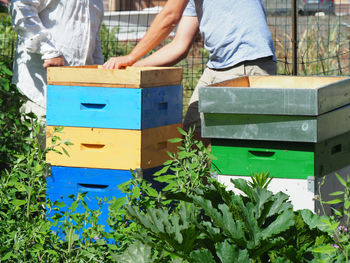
[233,30]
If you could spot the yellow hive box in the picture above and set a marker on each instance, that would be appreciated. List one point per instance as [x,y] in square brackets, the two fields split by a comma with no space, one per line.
[114,148]
[130,77]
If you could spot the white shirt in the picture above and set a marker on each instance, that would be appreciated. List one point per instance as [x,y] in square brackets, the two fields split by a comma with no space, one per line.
[48,29]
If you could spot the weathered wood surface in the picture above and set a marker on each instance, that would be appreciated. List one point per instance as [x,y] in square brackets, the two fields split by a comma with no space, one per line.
[130,77]
[286,95]
[276,127]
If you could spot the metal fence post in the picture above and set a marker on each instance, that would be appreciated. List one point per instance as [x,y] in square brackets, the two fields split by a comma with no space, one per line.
[295,37]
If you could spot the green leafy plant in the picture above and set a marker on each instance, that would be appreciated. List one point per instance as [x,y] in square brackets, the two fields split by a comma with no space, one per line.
[213,225]
[338,225]
[15,127]
[209,224]
[189,168]
[186,170]
[24,231]
[82,238]
[261,180]
[7,38]
[344,199]
[138,192]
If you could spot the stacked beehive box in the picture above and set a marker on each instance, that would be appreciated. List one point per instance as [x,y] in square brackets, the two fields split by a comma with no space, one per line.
[295,128]
[117,120]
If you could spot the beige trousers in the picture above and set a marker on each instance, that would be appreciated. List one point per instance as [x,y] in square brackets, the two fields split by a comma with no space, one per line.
[262,66]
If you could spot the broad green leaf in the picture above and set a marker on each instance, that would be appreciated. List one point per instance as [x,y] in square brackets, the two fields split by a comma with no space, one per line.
[242,185]
[202,256]
[280,224]
[134,212]
[335,201]
[341,180]
[136,192]
[327,249]
[337,193]
[6,70]
[67,142]
[181,131]
[337,212]
[74,206]
[58,128]
[260,198]
[280,204]
[177,196]
[223,220]
[175,140]
[315,221]
[230,253]
[163,170]
[136,253]
[151,192]
[18,202]
[168,162]
[171,185]
[124,186]
[7,256]
[59,204]
[20,187]
[165,178]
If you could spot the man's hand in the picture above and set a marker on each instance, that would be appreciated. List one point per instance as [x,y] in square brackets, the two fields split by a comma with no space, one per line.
[119,62]
[54,62]
[160,28]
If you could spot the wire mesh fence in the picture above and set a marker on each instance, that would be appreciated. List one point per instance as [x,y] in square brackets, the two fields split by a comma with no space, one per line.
[7,38]
[323,36]
[322,44]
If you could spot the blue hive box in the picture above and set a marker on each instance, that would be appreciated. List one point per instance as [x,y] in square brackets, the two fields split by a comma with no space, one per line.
[115,108]
[98,183]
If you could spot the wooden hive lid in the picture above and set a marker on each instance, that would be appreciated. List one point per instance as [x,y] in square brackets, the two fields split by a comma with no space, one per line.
[130,77]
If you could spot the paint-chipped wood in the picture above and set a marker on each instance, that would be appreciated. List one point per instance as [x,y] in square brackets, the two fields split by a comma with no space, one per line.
[285,95]
[290,128]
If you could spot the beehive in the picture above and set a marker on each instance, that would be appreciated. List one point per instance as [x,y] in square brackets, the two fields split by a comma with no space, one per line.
[117,120]
[294,128]
[276,108]
[133,98]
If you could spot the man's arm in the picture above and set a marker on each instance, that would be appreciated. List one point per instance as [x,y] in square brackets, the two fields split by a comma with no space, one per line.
[160,28]
[177,49]
[27,23]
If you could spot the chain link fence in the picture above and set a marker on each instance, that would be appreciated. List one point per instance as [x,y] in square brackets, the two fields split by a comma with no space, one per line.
[322,41]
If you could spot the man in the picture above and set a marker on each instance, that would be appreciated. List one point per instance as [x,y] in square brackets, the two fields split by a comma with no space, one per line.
[52,33]
[235,33]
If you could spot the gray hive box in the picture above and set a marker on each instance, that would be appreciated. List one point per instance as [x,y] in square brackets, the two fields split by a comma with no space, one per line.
[279,108]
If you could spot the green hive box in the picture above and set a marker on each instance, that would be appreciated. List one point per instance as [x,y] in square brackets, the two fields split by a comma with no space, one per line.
[276,108]
[281,159]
